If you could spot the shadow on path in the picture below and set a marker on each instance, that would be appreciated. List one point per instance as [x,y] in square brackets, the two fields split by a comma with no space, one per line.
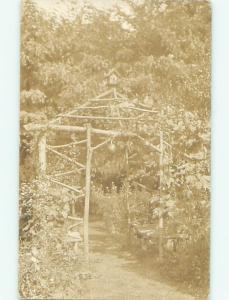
[120,275]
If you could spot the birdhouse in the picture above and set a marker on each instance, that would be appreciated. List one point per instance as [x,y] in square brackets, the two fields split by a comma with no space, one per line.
[87,14]
[86,19]
[112,78]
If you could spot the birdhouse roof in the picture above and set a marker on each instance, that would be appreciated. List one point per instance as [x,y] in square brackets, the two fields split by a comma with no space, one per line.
[111,72]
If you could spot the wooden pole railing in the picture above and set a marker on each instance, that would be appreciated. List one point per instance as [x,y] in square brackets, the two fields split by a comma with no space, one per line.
[80,117]
[66,158]
[42,155]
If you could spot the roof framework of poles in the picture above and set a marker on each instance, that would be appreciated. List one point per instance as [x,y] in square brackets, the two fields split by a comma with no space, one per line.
[110,114]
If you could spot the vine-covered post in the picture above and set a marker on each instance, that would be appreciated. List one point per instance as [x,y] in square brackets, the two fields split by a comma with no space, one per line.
[161,221]
[87,192]
[127,188]
[42,155]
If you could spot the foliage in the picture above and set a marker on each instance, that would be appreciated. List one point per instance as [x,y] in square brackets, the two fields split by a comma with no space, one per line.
[43,229]
[120,208]
[58,56]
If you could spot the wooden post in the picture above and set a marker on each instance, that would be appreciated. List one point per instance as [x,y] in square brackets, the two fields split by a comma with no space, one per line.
[73,208]
[115,93]
[42,155]
[161,221]
[126,191]
[87,192]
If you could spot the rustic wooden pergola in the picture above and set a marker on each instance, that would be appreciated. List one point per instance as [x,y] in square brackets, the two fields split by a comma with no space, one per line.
[118,115]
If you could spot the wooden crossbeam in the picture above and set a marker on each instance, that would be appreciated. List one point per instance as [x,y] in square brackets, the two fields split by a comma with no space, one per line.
[99,118]
[104,94]
[67,145]
[40,127]
[139,109]
[107,99]
[143,105]
[79,196]
[64,185]
[92,107]
[113,133]
[80,221]
[150,145]
[69,128]
[167,144]
[132,156]
[68,173]
[121,96]
[75,219]
[101,144]
[57,120]
[66,157]
[142,186]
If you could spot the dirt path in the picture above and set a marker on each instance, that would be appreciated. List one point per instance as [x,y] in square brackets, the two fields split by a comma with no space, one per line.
[117,275]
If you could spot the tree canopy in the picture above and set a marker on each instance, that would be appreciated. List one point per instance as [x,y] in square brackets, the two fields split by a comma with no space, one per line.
[65,58]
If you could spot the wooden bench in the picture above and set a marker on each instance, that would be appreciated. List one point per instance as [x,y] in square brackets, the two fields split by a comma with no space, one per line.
[147,236]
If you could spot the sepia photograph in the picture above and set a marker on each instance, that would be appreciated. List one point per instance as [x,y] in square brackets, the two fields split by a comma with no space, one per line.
[115,149]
